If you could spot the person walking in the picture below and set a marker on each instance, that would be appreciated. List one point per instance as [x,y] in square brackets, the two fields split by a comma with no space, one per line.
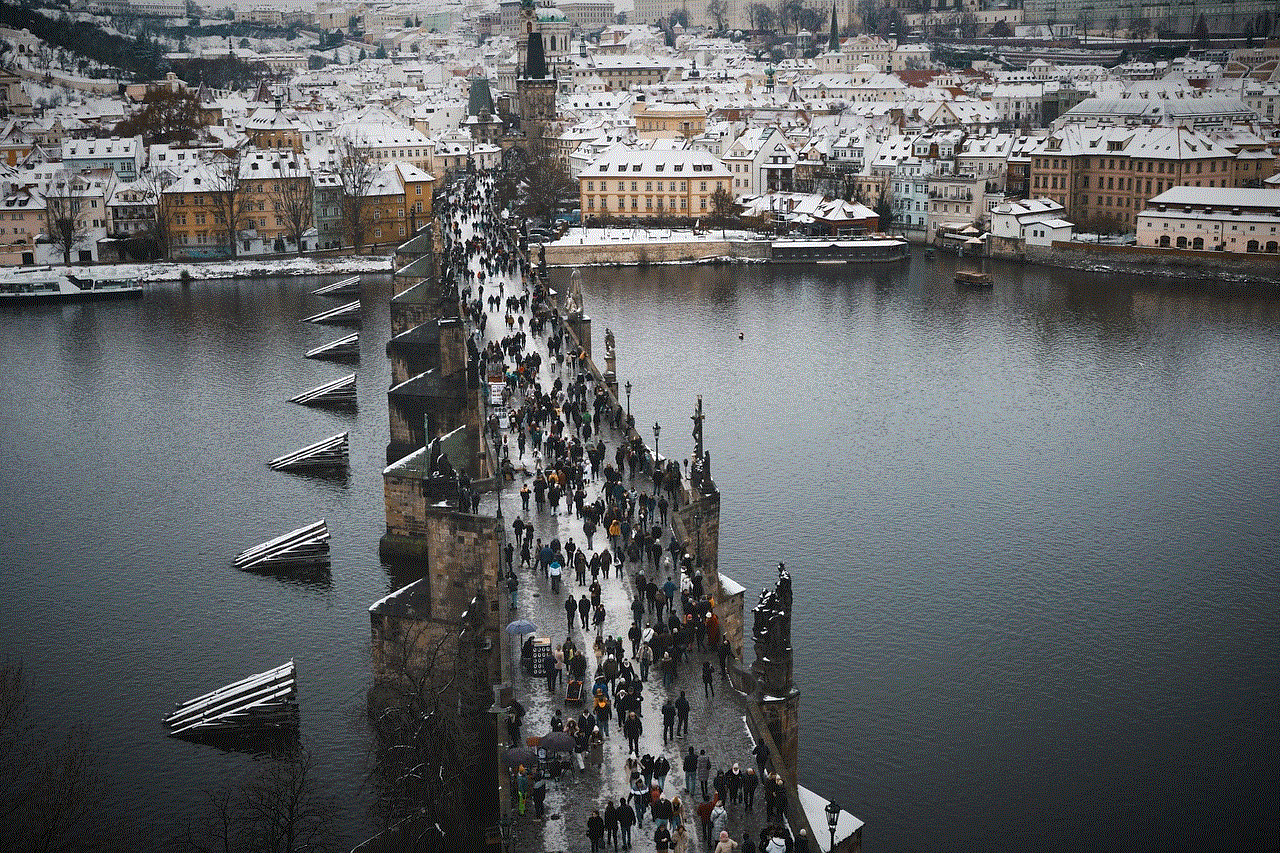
[632,729]
[668,720]
[682,716]
[725,844]
[539,794]
[719,821]
[704,770]
[611,824]
[761,752]
[626,819]
[749,782]
[708,676]
[733,781]
[595,830]
[584,610]
[690,767]
[661,767]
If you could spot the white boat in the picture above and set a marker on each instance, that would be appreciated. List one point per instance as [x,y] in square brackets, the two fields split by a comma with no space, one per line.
[47,284]
[842,250]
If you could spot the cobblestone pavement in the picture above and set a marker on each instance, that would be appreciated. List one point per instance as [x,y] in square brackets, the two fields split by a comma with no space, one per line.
[716,724]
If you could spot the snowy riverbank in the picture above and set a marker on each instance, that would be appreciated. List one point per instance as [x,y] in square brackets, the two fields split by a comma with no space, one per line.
[243,268]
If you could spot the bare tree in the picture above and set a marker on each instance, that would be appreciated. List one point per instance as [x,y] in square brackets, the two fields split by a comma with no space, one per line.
[281,810]
[49,792]
[162,225]
[1084,20]
[543,180]
[1113,25]
[762,16]
[295,201]
[723,207]
[227,201]
[62,222]
[432,735]
[357,173]
[718,11]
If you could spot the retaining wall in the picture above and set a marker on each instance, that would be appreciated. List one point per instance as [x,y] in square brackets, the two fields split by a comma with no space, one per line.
[631,253]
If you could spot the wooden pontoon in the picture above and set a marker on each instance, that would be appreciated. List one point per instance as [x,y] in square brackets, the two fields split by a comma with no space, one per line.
[330,452]
[304,548]
[260,704]
[346,287]
[346,348]
[343,315]
[339,393]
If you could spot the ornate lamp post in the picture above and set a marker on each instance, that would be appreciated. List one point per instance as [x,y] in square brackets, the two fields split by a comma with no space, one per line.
[628,389]
[833,817]
[656,430]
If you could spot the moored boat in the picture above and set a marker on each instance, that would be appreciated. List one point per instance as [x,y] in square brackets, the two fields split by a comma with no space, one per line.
[974,278]
[47,284]
[867,249]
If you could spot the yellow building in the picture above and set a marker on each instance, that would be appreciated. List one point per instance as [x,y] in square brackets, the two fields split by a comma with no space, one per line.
[399,201]
[659,120]
[1105,175]
[628,183]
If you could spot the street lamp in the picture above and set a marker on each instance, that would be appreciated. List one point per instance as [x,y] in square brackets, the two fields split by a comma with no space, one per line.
[833,816]
[628,388]
[656,430]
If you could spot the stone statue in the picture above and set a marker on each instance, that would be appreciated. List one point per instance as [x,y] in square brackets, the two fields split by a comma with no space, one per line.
[609,343]
[440,469]
[771,631]
[573,302]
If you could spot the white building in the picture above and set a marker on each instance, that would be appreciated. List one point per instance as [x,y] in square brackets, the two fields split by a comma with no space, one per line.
[1212,219]
[761,161]
[1033,222]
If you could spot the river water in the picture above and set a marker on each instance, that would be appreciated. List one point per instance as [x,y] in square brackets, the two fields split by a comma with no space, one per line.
[1033,531]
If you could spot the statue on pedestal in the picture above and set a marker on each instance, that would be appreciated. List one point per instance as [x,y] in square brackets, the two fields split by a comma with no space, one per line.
[608,343]
[573,301]
[771,631]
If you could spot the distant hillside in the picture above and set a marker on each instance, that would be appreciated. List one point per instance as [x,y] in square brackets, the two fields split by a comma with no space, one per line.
[140,57]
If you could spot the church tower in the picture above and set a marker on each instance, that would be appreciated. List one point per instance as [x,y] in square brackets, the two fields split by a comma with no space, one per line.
[535,87]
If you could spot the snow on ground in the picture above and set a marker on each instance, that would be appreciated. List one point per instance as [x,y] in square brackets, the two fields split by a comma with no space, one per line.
[247,268]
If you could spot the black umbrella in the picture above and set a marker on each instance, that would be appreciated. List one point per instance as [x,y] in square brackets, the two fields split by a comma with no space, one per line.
[557,742]
[517,755]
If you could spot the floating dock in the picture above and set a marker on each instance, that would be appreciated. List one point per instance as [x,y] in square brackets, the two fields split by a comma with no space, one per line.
[330,452]
[339,393]
[346,287]
[304,548]
[346,348]
[260,704]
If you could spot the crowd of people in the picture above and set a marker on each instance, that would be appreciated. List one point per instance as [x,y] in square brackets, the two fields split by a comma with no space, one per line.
[556,430]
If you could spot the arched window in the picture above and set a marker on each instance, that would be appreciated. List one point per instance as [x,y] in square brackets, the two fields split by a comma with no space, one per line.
[1272,246]
[1253,246]
[1164,241]
[1182,242]
[1197,243]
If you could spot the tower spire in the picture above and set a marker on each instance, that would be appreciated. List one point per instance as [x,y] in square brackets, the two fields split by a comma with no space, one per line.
[834,44]
[535,61]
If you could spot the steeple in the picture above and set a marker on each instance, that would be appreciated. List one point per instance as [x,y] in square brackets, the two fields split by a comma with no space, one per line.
[834,44]
[536,62]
